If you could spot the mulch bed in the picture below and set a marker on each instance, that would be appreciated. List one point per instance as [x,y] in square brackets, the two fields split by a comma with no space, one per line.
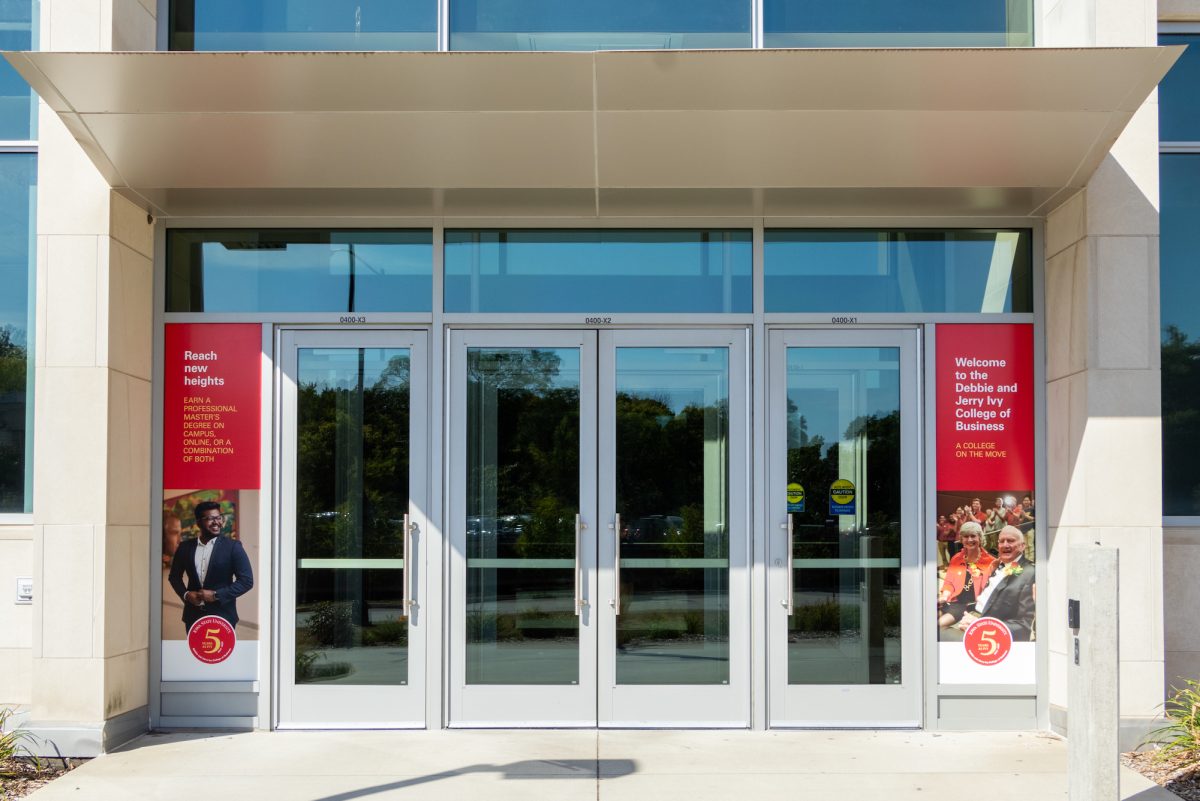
[20,777]
[1180,776]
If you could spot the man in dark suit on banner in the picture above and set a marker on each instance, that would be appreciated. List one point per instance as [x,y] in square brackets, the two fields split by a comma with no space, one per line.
[1011,595]
[217,570]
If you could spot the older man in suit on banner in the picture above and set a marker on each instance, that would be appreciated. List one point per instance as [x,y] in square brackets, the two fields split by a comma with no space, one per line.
[1011,593]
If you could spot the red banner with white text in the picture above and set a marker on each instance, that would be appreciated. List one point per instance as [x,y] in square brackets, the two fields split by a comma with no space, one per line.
[212,457]
[986,507]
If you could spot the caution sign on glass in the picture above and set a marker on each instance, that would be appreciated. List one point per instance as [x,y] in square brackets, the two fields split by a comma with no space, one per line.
[842,498]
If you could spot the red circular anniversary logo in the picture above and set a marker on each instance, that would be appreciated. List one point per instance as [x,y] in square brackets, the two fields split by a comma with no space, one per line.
[987,641]
[211,639]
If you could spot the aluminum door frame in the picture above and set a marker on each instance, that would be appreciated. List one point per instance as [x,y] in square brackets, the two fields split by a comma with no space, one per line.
[690,706]
[518,705]
[849,705]
[353,706]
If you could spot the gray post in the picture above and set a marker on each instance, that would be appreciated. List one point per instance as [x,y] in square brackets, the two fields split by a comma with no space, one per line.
[1093,687]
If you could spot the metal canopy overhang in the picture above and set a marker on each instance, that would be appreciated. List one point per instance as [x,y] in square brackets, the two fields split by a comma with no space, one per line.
[606,134]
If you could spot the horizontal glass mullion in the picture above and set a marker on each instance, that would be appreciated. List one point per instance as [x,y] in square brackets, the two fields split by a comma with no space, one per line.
[351,564]
[846,564]
[527,564]
[672,563]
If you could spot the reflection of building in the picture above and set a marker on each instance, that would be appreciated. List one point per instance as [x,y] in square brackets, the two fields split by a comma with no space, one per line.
[758,262]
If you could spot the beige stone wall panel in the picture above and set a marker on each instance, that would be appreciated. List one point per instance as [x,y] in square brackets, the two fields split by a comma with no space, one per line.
[73,326]
[126,682]
[128,447]
[1067,280]
[126,589]
[67,602]
[71,426]
[130,310]
[129,226]
[16,620]
[68,690]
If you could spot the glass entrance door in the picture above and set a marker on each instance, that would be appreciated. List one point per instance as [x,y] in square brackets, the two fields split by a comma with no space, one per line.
[844,617]
[598,525]
[353,461]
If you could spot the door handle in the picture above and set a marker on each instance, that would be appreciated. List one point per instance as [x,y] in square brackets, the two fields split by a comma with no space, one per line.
[616,601]
[787,564]
[580,602]
[407,602]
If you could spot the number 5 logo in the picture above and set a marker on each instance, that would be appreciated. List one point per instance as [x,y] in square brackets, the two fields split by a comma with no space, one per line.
[987,641]
[211,639]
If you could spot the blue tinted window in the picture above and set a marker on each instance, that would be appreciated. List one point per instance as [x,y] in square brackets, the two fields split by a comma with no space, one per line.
[889,23]
[299,270]
[17,109]
[303,25]
[598,271]
[18,189]
[598,24]
[1179,281]
[898,271]
[1178,111]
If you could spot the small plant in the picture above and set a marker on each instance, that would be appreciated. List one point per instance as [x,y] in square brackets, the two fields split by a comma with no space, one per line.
[1180,738]
[331,624]
[14,743]
[304,663]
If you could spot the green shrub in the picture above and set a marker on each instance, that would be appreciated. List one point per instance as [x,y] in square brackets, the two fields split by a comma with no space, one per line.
[14,743]
[388,632]
[1180,738]
[331,624]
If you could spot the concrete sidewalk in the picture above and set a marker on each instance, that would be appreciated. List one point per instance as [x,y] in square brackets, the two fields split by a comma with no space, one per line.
[579,765]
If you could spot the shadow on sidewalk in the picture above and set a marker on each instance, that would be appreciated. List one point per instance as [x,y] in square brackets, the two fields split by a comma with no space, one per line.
[525,769]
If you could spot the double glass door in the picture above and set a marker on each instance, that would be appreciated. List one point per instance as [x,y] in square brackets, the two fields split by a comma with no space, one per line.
[598,527]
[843,609]
[352,513]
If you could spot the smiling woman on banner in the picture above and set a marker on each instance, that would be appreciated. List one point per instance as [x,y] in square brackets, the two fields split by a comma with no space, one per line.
[966,577]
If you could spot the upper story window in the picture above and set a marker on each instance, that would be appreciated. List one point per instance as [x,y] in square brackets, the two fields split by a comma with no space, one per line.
[303,25]
[1179,276]
[312,270]
[18,111]
[599,24]
[605,270]
[898,271]
[18,206]
[478,25]
[892,23]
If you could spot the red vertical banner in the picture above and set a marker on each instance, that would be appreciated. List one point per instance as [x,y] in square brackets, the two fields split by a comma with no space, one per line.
[986,510]
[212,405]
[985,422]
[212,454]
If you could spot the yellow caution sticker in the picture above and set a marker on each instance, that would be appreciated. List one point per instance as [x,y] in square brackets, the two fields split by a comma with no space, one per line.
[842,497]
[795,497]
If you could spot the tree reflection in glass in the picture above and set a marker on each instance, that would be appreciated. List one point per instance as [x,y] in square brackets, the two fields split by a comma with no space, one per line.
[672,482]
[843,422]
[352,469]
[522,498]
